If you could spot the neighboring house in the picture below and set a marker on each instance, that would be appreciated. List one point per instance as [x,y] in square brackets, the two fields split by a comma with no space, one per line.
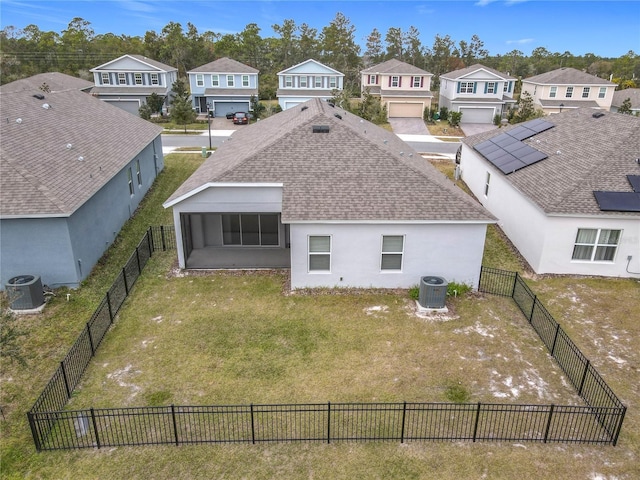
[568,197]
[566,88]
[73,169]
[127,81]
[307,80]
[403,88]
[49,82]
[338,200]
[478,92]
[223,86]
[619,96]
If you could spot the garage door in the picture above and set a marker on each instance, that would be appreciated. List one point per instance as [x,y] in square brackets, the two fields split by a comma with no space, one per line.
[131,106]
[413,110]
[222,108]
[476,115]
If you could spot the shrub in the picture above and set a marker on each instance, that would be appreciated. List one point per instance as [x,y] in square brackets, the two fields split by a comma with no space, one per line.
[457,289]
[414,292]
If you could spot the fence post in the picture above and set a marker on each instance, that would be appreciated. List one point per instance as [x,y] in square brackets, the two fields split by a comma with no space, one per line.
[617,434]
[584,376]
[93,350]
[138,260]
[66,382]
[555,338]
[164,245]
[253,428]
[533,307]
[109,306]
[34,431]
[328,422]
[124,277]
[404,414]
[546,430]
[513,289]
[175,425]
[149,241]
[475,427]
[95,427]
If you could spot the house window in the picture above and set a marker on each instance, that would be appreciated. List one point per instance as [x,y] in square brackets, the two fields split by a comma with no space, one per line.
[318,82]
[199,80]
[333,82]
[596,245]
[491,87]
[486,184]
[553,92]
[122,78]
[319,253]
[373,79]
[105,79]
[466,87]
[585,92]
[245,80]
[288,81]
[569,93]
[130,181]
[230,81]
[138,78]
[416,82]
[215,81]
[395,81]
[154,79]
[392,251]
[603,92]
[138,173]
[303,82]
[505,89]
[250,229]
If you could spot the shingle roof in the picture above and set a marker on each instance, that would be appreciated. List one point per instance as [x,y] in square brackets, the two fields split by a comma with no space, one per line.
[395,66]
[620,96]
[224,65]
[474,68]
[55,81]
[39,175]
[141,58]
[567,76]
[585,154]
[356,172]
[139,90]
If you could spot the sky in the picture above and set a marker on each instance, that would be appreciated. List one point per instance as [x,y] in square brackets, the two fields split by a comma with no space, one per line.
[606,28]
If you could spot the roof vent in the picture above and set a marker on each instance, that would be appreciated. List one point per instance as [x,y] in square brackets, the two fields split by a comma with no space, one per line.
[331,104]
[39,96]
[598,115]
[338,116]
[304,108]
[46,106]
[320,129]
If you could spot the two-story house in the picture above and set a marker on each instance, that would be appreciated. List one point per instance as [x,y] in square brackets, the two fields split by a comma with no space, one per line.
[307,80]
[223,86]
[566,88]
[403,88]
[478,92]
[127,81]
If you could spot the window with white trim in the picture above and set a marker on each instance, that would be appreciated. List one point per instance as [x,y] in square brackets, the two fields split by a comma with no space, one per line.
[154,79]
[250,229]
[245,80]
[466,87]
[333,82]
[569,93]
[215,81]
[199,80]
[505,88]
[392,252]
[416,82]
[122,78]
[138,78]
[288,81]
[130,180]
[319,253]
[603,92]
[373,79]
[303,82]
[395,81]
[486,184]
[553,92]
[491,87]
[138,173]
[596,245]
[230,81]
[318,82]
[105,78]
[585,92]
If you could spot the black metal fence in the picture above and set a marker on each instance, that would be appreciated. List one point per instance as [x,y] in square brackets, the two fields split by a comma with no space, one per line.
[54,428]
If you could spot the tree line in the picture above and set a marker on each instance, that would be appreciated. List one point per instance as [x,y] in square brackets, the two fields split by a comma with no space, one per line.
[77,49]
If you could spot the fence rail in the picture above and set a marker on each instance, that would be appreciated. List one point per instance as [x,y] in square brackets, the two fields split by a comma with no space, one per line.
[54,428]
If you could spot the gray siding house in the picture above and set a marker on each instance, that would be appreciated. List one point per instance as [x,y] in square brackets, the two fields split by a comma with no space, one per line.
[338,200]
[619,96]
[223,86]
[307,80]
[73,169]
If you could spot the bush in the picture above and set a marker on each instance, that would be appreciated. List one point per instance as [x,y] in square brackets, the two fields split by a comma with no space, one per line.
[444,113]
[457,289]
[414,292]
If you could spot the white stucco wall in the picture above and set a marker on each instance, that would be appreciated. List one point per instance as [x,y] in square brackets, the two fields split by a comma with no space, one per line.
[452,251]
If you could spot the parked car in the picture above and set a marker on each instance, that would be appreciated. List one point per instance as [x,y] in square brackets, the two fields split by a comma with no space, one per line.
[230,115]
[240,118]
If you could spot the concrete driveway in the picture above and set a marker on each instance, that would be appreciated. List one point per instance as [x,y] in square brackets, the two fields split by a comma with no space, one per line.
[473,128]
[408,126]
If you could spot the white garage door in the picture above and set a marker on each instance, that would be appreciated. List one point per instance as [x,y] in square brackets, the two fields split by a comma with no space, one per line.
[222,108]
[476,115]
[412,110]
[131,106]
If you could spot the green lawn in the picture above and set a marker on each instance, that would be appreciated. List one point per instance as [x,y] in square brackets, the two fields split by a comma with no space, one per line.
[259,344]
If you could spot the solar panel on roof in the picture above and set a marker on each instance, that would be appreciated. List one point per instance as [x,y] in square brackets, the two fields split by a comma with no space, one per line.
[634,180]
[538,125]
[618,201]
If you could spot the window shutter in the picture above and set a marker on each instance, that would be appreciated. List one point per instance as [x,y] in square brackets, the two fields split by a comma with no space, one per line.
[421,82]
[389,80]
[510,83]
[486,87]
[458,88]
[399,82]
[475,84]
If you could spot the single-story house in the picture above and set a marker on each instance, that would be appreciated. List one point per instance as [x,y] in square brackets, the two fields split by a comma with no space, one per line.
[334,198]
[565,189]
[73,169]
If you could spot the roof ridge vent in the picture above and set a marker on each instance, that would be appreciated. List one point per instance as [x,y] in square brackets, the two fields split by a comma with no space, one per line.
[598,115]
[338,116]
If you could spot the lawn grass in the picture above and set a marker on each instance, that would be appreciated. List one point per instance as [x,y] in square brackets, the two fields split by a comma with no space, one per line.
[599,314]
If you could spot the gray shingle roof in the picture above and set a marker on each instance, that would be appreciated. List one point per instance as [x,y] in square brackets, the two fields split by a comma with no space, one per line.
[567,76]
[55,81]
[585,154]
[154,63]
[224,65]
[620,96]
[473,68]
[356,172]
[395,66]
[39,175]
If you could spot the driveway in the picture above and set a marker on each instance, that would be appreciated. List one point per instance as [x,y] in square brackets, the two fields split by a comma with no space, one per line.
[408,126]
[473,128]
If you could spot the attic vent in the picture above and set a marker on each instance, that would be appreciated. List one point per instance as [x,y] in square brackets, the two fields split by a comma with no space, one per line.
[304,108]
[331,104]
[39,96]
[320,129]
[338,116]
[598,115]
